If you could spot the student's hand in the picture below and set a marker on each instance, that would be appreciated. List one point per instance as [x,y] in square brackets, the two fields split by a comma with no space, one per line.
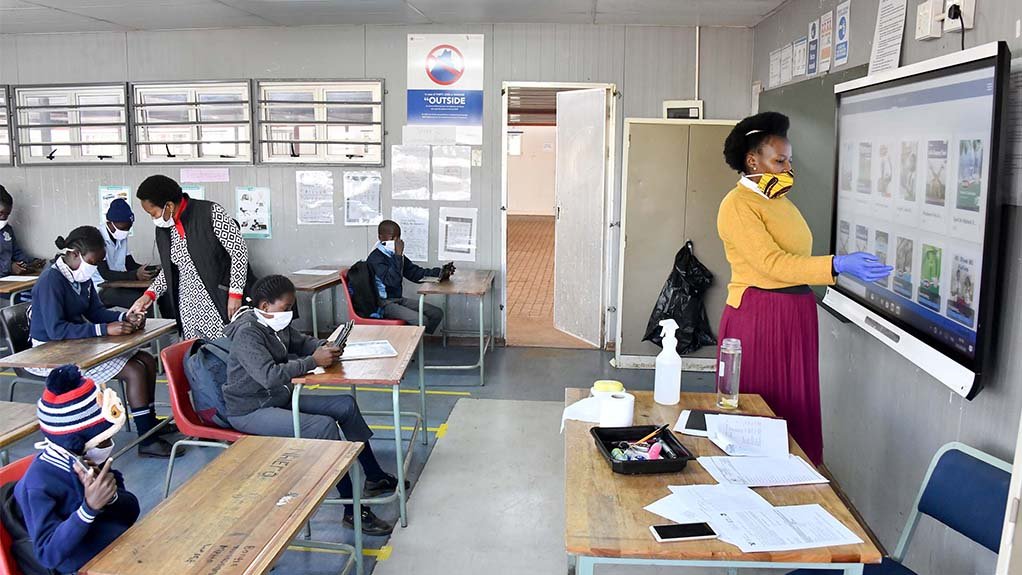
[119,328]
[399,246]
[326,355]
[137,320]
[141,305]
[233,305]
[18,268]
[145,274]
[100,488]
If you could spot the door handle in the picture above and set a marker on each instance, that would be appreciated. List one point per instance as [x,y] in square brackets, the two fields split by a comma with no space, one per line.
[558,216]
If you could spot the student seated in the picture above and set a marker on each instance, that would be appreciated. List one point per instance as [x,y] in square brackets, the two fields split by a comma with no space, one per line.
[390,267]
[65,306]
[13,260]
[266,354]
[119,265]
[74,505]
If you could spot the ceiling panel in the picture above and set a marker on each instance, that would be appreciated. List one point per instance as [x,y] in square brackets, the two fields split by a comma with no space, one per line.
[31,20]
[76,5]
[7,4]
[203,15]
[518,11]
[684,12]
[327,12]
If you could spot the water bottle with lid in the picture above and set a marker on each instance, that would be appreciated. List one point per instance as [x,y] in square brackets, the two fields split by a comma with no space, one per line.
[728,373]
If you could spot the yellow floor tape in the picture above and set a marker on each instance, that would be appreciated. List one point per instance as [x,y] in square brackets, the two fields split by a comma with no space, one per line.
[381,554]
[439,431]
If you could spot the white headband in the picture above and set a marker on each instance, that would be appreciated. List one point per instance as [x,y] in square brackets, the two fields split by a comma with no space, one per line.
[751,132]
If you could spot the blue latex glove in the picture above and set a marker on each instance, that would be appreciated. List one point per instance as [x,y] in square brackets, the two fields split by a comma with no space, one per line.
[862,265]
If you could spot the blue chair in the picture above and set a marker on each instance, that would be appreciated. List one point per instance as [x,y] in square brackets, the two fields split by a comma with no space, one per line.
[966,490]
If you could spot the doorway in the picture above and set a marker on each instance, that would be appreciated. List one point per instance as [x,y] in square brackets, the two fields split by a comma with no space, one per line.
[557,166]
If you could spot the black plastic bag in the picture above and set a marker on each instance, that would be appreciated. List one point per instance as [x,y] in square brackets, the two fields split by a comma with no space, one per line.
[681,299]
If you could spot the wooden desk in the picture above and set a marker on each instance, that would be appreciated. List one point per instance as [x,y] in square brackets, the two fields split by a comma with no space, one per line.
[11,289]
[605,521]
[87,352]
[17,420]
[385,371]
[126,284]
[472,283]
[237,514]
[315,284]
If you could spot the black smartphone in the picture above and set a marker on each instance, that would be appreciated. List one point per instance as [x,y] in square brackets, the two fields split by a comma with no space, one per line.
[682,532]
[343,336]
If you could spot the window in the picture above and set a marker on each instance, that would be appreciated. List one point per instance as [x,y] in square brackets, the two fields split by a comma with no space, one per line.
[6,156]
[321,122]
[207,122]
[71,124]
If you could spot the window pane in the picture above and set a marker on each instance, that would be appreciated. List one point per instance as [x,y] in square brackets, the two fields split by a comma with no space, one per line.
[217,134]
[222,113]
[50,135]
[350,113]
[290,133]
[355,153]
[168,134]
[104,134]
[290,112]
[165,113]
[100,115]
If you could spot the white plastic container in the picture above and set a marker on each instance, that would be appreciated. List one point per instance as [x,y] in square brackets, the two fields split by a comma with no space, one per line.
[667,385]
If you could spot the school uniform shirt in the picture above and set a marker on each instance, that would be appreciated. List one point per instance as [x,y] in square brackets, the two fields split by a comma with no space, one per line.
[389,270]
[118,265]
[66,533]
[10,251]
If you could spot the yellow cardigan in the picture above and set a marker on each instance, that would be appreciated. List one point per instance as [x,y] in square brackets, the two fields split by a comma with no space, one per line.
[768,244]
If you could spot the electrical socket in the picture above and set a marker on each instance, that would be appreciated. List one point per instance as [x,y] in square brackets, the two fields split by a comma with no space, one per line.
[928,15]
[968,15]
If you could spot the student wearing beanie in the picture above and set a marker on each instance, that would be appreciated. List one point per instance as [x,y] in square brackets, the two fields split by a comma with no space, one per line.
[73,503]
[119,265]
[13,259]
[65,306]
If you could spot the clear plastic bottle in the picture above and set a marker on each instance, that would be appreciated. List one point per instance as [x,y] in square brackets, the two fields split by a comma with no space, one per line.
[729,373]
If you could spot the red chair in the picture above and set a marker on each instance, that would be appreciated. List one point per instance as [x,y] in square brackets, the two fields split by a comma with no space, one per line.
[184,412]
[10,474]
[359,320]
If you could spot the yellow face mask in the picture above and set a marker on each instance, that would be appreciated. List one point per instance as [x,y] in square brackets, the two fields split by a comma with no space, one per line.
[774,186]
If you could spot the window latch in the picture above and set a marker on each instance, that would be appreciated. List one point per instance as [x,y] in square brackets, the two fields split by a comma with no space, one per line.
[294,152]
[102,157]
[169,154]
[52,153]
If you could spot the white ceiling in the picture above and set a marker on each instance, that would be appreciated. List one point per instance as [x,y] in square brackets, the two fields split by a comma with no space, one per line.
[38,16]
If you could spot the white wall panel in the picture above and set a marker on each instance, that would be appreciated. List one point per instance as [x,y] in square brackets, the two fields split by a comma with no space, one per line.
[66,58]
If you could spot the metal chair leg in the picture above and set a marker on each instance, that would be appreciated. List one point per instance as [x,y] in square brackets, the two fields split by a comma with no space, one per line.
[124,396]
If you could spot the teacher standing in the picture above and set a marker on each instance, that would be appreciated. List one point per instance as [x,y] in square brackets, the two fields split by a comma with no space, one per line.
[770,307]
[203,256]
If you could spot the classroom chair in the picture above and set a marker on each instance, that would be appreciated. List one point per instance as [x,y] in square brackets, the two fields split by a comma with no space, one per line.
[10,474]
[187,420]
[14,322]
[966,490]
[359,320]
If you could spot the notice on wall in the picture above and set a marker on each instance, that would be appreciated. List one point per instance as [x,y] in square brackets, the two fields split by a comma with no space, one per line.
[799,49]
[469,135]
[409,172]
[452,173]
[429,135]
[514,143]
[414,224]
[757,89]
[445,79]
[813,53]
[843,29]
[775,69]
[107,194]
[786,61]
[458,234]
[887,36]
[315,192]
[1014,133]
[826,40]
[253,212]
[194,191]
[362,198]
[203,175]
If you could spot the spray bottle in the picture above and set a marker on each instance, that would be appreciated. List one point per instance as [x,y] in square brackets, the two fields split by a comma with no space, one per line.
[667,386]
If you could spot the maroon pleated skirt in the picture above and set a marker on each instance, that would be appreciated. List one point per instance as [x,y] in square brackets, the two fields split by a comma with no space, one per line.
[780,358]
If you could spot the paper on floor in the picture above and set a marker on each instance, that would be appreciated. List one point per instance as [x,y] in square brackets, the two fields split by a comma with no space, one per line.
[761,471]
[782,529]
[699,503]
[749,436]
[587,409]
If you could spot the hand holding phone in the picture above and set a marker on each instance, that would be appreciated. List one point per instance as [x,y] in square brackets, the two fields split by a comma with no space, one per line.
[682,532]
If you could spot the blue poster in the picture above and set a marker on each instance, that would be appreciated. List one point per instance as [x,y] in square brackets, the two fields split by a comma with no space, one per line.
[445,79]
[814,48]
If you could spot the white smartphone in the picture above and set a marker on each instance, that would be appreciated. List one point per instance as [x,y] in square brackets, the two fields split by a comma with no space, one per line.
[682,532]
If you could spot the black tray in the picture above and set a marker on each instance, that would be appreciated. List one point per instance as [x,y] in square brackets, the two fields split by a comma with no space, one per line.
[607,437]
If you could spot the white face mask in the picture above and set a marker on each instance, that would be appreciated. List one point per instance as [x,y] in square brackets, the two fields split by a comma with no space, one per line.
[98,455]
[84,272]
[3,224]
[162,221]
[390,245]
[275,321]
[118,234]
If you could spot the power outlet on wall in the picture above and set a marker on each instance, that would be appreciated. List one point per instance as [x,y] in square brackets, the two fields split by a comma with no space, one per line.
[968,15]
[928,16]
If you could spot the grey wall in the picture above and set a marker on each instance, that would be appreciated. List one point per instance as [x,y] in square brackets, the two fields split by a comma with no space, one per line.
[648,65]
[883,417]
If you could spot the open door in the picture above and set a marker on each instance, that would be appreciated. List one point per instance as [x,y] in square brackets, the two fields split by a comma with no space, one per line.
[1009,558]
[580,189]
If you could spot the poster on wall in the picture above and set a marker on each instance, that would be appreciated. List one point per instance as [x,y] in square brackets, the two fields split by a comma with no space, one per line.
[887,36]
[409,172]
[362,198]
[843,27]
[452,173]
[107,194]
[458,234]
[826,40]
[253,211]
[799,57]
[775,69]
[414,224]
[813,56]
[315,191]
[445,79]
[194,191]
[786,59]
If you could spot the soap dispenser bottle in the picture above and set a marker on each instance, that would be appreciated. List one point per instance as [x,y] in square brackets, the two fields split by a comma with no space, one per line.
[667,386]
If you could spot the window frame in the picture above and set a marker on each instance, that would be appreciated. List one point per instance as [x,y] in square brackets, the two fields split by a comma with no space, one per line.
[194,124]
[73,92]
[8,123]
[320,122]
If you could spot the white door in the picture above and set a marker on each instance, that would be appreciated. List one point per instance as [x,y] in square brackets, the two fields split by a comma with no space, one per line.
[1009,559]
[580,188]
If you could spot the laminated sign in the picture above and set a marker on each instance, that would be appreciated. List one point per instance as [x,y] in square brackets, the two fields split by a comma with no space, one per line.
[445,79]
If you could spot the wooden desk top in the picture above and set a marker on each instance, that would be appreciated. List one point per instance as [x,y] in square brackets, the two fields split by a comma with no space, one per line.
[236,515]
[604,515]
[385,371]
[9,287]
[87,352]
[129,284]
[305,282]
[463,282]
[17,420]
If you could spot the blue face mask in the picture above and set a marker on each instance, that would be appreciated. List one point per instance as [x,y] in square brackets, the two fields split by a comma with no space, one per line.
[388,247]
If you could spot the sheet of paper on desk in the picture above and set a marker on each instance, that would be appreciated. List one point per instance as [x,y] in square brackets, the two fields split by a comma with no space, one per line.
[699,503]
[749,436]
[315,272]
[587,409]
[368,350]
[18,278]
[761,471]
[782,529]
[318,371]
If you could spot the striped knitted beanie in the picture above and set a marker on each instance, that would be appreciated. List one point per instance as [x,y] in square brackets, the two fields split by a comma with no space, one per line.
[73,412]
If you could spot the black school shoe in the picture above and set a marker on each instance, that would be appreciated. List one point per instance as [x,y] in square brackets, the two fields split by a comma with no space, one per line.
[158,449]
[383,486]
[371,524]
